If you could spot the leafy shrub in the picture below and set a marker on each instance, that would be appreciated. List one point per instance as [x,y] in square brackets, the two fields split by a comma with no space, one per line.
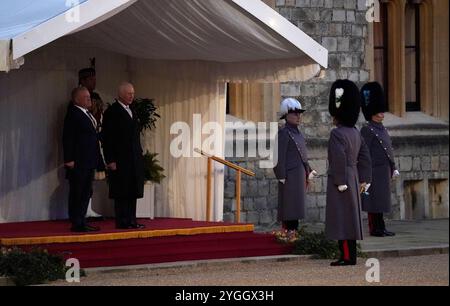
[318,245]
[30,268]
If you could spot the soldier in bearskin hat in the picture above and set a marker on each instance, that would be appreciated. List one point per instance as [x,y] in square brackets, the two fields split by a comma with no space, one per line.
[378,201]
[292,170]
[349,172]
[87,78]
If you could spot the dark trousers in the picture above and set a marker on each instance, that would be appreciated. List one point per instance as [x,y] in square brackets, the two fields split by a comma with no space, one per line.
[80,182]
[125,212]
[348,250]
[291,225]
[376,223]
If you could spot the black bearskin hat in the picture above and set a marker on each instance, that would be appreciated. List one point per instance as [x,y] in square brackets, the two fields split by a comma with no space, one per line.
[344,104]
[87,72]
[373,100]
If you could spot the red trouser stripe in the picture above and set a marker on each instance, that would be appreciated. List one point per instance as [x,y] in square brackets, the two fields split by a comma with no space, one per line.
[346,250]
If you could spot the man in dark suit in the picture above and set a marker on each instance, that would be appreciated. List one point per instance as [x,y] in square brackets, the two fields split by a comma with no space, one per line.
[123,155]
[81,156]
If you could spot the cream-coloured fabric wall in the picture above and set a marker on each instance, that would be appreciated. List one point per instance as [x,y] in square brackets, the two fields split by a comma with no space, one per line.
[183,193]
[33,102]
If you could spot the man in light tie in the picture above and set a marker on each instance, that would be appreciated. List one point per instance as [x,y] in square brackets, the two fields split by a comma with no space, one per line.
[123,155]
[81,156]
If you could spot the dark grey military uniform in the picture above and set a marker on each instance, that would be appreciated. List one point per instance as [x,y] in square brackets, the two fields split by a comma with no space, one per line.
[292,166]
[383,166]
[349,164]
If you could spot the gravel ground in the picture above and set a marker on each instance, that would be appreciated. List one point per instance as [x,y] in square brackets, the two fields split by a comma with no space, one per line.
[430,270]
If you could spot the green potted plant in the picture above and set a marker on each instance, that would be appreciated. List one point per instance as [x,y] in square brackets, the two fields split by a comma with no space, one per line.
[146,116]
[153,172]
[145,111]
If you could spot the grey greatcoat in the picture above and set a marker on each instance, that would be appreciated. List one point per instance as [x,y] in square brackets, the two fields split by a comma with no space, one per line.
[292,166]
[349,164]
[383,166]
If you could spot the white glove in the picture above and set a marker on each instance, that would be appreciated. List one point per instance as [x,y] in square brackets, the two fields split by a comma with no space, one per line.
[283,181]
[396,174]
[364,188]
[342,188]
[312,175]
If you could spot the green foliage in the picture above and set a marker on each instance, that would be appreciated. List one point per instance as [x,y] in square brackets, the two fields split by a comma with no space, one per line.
[318,245]
[29,268]
[146,116]
[145,111]
[152,170]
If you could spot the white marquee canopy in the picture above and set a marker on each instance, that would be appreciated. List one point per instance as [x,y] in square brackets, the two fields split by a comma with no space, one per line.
[208,30]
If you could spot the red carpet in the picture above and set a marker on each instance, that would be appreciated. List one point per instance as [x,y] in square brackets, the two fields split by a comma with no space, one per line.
[220,240]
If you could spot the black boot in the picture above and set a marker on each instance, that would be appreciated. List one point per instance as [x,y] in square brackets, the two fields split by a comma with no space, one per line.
[383,225]
[347,258]
[353,251]
[291,225]
[378,230]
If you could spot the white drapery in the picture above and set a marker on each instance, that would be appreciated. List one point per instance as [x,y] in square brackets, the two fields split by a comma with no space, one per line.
[183,192]
[209,30]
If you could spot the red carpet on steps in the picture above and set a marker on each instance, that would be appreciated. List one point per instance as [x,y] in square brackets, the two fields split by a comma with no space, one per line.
[62,228]
[135,251]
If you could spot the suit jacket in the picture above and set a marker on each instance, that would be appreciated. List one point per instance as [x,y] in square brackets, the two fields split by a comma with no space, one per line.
[122,145]
[80,140]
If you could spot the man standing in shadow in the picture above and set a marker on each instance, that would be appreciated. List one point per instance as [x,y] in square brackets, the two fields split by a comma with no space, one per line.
[87,77]
[81,156]
[123,155]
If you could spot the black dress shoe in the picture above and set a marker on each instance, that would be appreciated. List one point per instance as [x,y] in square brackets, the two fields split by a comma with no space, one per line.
[342,262]
[84,229]
[78,229]
[377,234]
[96,219]
[137,226]
[91,228]
[388,233]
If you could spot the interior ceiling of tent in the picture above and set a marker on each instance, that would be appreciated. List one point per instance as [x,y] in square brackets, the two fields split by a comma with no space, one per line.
[189,30]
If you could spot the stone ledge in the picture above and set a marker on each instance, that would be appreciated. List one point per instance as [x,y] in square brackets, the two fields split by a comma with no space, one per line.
[197,263]
[407,252]
[5,281]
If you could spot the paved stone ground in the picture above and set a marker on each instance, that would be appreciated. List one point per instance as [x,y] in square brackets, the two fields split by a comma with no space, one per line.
[410,235]
[414,270]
